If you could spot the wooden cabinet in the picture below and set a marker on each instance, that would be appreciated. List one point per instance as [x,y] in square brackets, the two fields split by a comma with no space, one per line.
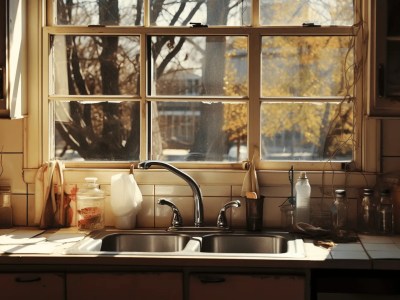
[385,59]
[22,286]
[12,58]
[246,286]
[124,285]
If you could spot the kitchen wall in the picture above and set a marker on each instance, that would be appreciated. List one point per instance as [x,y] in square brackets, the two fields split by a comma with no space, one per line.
[12,148]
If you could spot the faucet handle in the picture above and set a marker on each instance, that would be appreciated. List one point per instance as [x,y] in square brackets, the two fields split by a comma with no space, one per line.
[221,220]
[177,219]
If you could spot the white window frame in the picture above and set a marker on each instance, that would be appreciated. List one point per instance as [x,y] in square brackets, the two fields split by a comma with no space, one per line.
[366,154]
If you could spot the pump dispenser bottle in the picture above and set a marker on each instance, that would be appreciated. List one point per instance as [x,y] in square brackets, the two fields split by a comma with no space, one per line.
[303,193]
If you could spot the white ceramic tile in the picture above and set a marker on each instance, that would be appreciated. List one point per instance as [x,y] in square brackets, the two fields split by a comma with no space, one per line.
[147,190]
[348,247]
[19,209]
[13,174]
[383,254]
[31,210]
[216,190]
[375,239]
[272,213]
[381,247]
[239,215]
[279,191]
[108,214]
[236,191]
[145,217]
[31,189]
[11,135]
[396,239]
[349,254]
[173,190]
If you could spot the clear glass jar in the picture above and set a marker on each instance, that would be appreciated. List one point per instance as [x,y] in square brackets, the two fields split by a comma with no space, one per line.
[339,210]
[90,206]
[367,217]
[288,216]
[385,213]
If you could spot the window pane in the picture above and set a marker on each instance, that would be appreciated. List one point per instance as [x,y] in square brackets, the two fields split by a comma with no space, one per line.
[199,65]
[297,12]
[107,131]
[199,131]
[307,131]
[211,12]
[94,65]
[98,12]
[307,66]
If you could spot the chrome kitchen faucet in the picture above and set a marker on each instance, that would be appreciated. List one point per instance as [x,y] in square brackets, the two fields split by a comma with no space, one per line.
[198,198]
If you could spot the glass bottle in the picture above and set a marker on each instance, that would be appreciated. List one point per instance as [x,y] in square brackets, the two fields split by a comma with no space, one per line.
[367,222]
[339,210]
[303,192]
[385,213]
[90,206]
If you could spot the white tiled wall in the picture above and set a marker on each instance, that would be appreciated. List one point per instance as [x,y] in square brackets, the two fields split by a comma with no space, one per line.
[11,146]
[215,195]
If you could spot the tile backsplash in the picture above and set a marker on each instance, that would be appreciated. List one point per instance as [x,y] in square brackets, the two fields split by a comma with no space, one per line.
[215,194]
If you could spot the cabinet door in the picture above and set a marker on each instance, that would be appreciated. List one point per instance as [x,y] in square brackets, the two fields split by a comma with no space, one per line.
[22,286]
[113,286]
[385,64]
[244,286]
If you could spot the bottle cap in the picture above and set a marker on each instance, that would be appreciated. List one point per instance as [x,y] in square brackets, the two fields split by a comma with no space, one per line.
[303,175]
[340,192]
[368,192]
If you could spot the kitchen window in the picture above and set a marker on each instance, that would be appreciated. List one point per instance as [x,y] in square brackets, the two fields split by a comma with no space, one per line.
[212,82]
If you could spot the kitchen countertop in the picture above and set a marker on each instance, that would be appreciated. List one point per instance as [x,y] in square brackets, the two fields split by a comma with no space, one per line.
[46,252]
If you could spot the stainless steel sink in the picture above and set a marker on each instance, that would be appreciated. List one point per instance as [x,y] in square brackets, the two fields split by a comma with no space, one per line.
[144,242]
[197,243]
[244,243]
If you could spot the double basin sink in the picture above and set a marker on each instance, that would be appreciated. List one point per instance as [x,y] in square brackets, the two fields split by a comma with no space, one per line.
[200,243]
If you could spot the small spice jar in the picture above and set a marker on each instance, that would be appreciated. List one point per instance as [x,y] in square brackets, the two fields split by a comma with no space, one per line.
[385,213]
[367,216]
[339,210]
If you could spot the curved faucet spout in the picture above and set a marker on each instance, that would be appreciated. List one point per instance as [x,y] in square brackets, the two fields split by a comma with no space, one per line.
[198,198]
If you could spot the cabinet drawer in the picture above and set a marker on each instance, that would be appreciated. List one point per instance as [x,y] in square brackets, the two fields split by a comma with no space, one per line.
[32,286]
[113,286]
[246,286]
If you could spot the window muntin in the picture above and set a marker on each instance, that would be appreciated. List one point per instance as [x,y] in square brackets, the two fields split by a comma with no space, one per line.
[199,131]
[210,12]
[297,12]
[98,12]
[199,65]
[254,115]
